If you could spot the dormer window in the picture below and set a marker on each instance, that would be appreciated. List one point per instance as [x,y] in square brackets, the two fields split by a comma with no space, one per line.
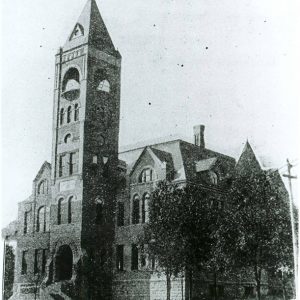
[104,86]
[147,175]
[213,177]
[77,32]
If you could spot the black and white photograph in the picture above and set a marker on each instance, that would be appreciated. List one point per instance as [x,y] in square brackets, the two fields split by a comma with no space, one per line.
[150,149]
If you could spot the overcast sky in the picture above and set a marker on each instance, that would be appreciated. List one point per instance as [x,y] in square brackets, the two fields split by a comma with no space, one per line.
[231,65]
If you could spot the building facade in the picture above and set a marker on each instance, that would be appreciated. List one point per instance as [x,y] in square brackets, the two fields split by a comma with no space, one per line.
[77,234]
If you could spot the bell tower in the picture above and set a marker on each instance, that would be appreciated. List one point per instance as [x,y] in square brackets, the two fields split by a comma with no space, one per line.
[85,152]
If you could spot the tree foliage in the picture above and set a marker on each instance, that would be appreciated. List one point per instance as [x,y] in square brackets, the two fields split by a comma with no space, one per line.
[255,232]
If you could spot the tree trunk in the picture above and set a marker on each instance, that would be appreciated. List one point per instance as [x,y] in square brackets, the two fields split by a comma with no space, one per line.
[190,284]
[258,281]
[168,286]
[215,286]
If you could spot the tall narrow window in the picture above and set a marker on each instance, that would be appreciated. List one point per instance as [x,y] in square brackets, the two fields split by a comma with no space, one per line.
[120,219]
[44,260]
[143,256]
[41,220]
[134,257]
[145,205]
[70,209]
[36,261]
[69,111]
[67,138]
[43,187]
[24,262]
[76,112]
[120,257]
[61,116]
[62,165]
[26,216]
[136,210]
[59,211]
[73,163]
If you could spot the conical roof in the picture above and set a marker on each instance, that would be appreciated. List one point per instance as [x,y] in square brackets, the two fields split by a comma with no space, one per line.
[248,161]
[90,28]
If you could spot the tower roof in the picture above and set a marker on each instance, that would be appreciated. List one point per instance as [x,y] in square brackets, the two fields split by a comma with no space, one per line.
[248,161]
[90,28]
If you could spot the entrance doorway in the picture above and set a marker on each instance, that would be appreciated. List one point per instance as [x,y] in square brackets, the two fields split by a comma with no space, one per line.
[64,263]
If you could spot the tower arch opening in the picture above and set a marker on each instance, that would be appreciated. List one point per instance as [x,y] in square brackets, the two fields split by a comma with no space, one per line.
[71,84]
[64,263]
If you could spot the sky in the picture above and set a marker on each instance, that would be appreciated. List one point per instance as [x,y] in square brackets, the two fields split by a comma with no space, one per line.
[232,65]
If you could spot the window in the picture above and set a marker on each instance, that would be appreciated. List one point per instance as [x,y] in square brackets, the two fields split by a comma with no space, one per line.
[41,220]
[134,257]
[59,211]
[36,261]
[136,210]
[145,208]
[120,218]
[95,159]
[70,209]
[73,163]
[43,187]
[62,165]
[44,260]
[76,113]
[61,116]
[143,256]
[213,177]
[26,217]
[146,175]
[120,257]
[104,86]
[69,111]
[24,262]
[67,138]
[152,263]
[71,82]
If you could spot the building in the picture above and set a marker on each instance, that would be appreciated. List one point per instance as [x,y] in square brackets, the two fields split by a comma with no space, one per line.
[77,232]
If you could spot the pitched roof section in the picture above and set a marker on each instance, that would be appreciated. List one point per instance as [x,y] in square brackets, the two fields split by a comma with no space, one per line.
[205,164]
[158,155]
[40,172]
[90,28]
[247,161]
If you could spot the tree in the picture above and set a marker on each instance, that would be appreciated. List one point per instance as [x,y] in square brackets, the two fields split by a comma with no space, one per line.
[162,232]
[180,230]
[255,231]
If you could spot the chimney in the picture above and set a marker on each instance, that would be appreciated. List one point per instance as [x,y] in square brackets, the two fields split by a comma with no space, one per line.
[199,135]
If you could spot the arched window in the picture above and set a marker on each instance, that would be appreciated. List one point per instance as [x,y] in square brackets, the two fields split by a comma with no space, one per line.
[69,114]
[104,86]
[43,187]
[71,84]
[41,220]
[76,112]
[147,175]
[59,211]
[145,208]
[67,138]
[70,209]
[213,177]
[136,210]
[61,116]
